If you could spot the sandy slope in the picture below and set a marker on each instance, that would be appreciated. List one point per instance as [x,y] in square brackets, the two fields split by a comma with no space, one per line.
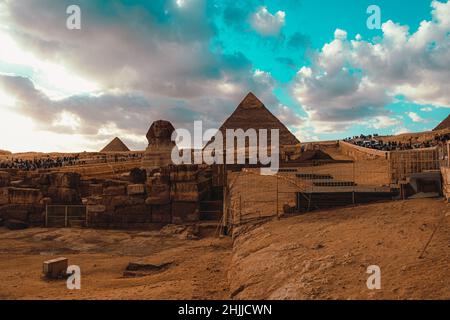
[324,255]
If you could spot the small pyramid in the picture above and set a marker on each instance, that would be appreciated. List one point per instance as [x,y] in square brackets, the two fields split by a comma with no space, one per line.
[116,145]
[444,124]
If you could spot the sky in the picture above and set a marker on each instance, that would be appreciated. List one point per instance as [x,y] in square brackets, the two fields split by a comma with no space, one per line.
[315,64]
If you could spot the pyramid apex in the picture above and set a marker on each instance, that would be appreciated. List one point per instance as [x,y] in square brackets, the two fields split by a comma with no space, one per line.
[251,101]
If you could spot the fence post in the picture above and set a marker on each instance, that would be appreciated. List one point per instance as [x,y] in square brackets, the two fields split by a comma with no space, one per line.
[46,215]
[86,215]
[65,220]
[276,177]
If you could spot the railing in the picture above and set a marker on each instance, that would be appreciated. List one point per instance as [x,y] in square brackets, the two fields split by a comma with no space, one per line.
[65,216]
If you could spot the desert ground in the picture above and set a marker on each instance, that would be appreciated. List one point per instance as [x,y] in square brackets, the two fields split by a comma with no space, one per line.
[319,255]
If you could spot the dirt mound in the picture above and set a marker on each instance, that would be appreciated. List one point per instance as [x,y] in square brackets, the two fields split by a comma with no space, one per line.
[325,255]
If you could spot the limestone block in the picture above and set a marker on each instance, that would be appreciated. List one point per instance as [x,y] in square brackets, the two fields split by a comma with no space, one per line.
[95,189]
[5,179]
[4,196]
[185,191]
[138,175]
[96,208]
[132,214]
[24,196]
[135,189]
[114,191]
[64,196]
[65,179]
[185,212]
[161,213]
[183,173]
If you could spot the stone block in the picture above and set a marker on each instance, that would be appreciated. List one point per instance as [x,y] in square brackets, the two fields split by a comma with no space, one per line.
[65,180]
[55,268]
[95,189]
[24,196]
[161,213]
[135,189]
[185,191]
[64,195]
[5,179]
[4,196]
[115,191]
[96,208]
[185,212]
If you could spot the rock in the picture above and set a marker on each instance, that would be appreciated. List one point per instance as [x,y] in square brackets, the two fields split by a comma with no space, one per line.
[24,196]
[65,180]
[114,191]
[5,179]
[159,191]
[4,196]
[181,231]
[138,175]
[13,224]
[95,189]
[60,195]
[96,208]
[135,189]
[46,201]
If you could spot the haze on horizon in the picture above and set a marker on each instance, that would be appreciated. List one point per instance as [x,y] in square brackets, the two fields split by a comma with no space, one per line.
[314,64]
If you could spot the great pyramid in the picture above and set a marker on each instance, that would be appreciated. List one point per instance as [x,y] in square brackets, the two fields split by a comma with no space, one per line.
[116,145]
[445,124]
[252,113]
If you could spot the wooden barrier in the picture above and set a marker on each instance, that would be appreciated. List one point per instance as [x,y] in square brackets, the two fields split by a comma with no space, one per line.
[445,171]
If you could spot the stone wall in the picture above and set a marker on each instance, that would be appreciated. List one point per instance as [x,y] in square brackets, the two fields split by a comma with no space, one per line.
[361,153]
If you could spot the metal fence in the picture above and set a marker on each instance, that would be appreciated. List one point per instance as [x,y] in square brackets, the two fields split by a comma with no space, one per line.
[66,216]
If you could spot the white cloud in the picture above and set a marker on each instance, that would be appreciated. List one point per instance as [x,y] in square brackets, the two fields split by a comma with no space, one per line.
[351,80]
[381,122]
[426,109]
[414,117]
[266,23]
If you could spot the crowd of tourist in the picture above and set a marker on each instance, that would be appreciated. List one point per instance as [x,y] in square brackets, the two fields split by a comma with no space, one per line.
[47,162]
[375,142]
[40,163]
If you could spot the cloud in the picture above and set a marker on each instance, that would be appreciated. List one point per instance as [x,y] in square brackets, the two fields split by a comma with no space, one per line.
[351,80]
[414,117]
[426,109]
[266,23]
[381,122]
[147,60]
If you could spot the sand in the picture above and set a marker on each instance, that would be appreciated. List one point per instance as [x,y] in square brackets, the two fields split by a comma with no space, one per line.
[320,255]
